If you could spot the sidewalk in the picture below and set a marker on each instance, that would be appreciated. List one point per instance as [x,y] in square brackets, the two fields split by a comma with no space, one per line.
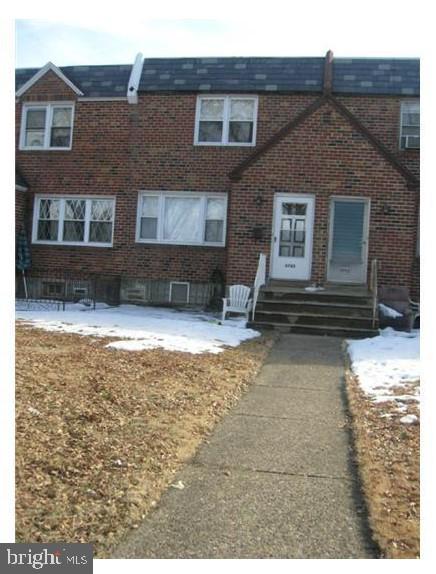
[275,480]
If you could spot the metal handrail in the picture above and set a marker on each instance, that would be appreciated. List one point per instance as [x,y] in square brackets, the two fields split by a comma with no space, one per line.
[373,287]
[259,280]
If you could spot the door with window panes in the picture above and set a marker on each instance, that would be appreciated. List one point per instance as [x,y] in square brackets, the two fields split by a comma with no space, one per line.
[292,238]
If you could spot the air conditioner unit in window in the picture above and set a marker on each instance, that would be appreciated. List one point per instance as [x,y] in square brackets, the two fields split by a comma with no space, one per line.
[412,142]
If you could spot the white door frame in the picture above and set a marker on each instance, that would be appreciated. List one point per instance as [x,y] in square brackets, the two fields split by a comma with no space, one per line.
[365,250]
[309,243]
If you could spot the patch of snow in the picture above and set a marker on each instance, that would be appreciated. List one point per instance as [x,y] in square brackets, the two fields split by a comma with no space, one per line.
[313,288]
[389,312]
[409,419]
[178,485]
[385,363]
[144,327]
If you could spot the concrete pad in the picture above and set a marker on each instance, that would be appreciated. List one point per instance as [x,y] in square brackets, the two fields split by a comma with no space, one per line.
[250,515]
[304,361]
[293,403]
[278,445]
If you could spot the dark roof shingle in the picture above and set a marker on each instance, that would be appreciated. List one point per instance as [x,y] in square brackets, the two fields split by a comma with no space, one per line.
[93,81]
[388,76]
[376,76]
[232,74]
[356,75]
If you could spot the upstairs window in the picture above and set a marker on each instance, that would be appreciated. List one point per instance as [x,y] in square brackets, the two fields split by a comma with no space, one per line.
[47,126]
[409,133]
[226,120]
[181,218]
[74,221]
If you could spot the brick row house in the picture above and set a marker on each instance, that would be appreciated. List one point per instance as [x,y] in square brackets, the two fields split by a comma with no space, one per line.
[169,173]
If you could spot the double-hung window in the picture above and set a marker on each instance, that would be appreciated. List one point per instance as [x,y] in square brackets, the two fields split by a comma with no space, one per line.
[74,221]
[47,126]
[409,132]
[226,120]
[183,218]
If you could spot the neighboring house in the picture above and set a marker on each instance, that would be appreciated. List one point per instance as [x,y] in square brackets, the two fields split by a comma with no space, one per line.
[166,171]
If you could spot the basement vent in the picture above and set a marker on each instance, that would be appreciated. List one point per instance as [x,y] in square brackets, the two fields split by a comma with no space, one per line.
[135,294]
[179,292]
[80,292]
[53,289]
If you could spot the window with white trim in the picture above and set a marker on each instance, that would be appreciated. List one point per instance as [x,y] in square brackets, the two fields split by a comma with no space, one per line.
[47,126]
[183,218]
[74,221]
[226,120]
[409,132]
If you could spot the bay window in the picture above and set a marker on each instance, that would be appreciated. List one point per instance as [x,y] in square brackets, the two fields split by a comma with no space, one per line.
[74,221]
[226,120]
[183,218]
[46,126]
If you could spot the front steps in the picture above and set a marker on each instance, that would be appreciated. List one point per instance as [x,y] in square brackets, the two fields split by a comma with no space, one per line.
[337,311]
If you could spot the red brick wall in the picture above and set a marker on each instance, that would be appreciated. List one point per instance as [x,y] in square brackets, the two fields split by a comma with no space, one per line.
[325,156]
[20,209]
[381,115]
[119,149]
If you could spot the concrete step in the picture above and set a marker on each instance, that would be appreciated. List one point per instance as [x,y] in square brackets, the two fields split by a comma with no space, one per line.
[284,294]
[295,318]
[307,329]
[314,307]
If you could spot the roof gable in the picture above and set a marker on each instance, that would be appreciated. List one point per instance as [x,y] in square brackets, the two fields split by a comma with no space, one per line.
[105,81]
[40,73]
[237,173]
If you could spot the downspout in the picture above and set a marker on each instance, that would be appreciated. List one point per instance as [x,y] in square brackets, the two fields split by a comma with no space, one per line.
[135,78]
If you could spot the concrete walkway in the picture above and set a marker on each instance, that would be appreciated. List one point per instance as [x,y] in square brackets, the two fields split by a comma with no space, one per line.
[275,480]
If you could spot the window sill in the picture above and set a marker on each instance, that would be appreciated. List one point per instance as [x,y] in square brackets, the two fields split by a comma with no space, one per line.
[71,244]
[216,144]
[176,243]
[45,148]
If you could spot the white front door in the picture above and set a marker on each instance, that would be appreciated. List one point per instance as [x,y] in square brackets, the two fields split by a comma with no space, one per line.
[292,237]
[348,245]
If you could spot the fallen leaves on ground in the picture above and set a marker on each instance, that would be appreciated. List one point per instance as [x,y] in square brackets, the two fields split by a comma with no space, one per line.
[101,432]
[388,457]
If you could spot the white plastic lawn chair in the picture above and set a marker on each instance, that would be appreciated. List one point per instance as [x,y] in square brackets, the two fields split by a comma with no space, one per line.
[238,301]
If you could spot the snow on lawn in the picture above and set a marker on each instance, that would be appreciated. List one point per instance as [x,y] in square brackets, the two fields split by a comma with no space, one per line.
[144,327]
[386,365]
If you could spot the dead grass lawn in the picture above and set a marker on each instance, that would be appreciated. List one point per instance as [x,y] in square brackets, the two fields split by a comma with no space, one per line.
[101,432]
[388,457]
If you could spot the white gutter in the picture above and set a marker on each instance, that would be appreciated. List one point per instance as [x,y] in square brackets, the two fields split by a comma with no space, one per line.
[135,77]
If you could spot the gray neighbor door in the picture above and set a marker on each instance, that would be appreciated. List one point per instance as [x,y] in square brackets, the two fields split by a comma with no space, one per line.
[348,245]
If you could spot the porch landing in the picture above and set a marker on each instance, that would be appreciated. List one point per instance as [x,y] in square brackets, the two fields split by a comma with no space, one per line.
[327,288]
[339,310]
